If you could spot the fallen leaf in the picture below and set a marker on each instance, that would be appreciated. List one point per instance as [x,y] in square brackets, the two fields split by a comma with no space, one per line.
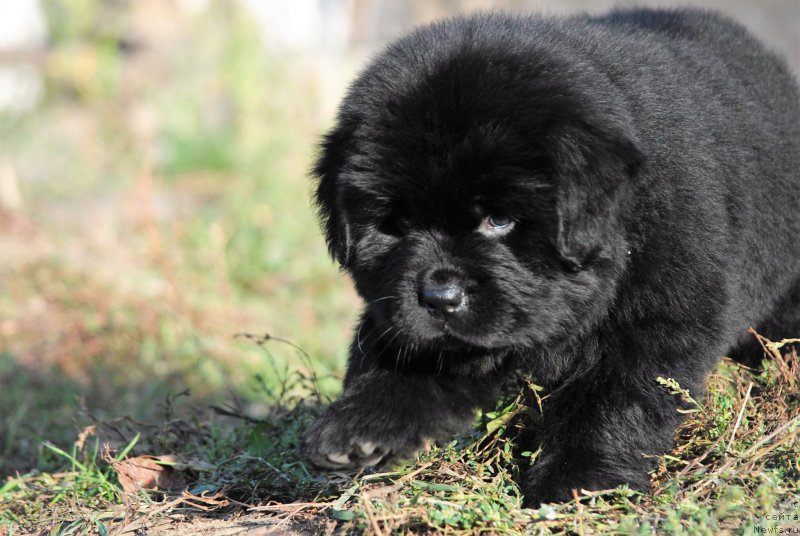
[145,472]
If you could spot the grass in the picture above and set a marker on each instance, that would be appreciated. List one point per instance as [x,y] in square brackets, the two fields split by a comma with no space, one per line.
[165,212]
[165,209]
[737,462]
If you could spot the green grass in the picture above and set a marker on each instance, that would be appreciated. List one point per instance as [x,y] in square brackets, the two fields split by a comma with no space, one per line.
[715,481]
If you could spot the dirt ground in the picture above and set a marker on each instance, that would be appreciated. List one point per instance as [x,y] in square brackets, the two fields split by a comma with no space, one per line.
[239,525]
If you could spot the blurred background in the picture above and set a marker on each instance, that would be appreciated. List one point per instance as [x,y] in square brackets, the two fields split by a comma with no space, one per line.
[154,197]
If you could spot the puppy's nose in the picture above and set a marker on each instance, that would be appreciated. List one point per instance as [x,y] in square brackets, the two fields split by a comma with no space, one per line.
[442,296]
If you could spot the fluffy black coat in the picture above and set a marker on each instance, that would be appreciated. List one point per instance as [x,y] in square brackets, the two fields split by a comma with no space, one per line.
[595,202]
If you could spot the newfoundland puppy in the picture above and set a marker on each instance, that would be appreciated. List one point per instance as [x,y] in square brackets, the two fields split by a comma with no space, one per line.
[594,202]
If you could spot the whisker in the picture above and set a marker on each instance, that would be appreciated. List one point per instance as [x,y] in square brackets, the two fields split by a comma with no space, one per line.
[359,339]
[397,360]
[380,299]
[389,342]
[384,333]
[361,349]
[406,355]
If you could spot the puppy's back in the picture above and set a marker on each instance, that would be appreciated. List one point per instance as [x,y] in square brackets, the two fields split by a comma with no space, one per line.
[719,115]
[708,35]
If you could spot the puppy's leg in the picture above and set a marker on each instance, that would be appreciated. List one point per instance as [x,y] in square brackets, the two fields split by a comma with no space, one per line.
[383,414]
[599,425]
[388,412]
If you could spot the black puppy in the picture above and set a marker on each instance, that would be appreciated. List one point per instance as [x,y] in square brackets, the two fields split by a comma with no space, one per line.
[595,202]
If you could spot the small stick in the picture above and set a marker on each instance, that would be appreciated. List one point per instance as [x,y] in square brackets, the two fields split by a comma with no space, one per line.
[579,506]
[370,515]
[771,348]
[739,418]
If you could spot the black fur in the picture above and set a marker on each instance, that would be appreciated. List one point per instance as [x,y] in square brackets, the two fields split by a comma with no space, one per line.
[650,163]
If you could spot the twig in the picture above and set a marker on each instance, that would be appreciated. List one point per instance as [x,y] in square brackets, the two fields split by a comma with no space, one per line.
[383,491]
[371,515]
[266,337]
[772,349]
[579,507]
[396,486]
[696,461]
[739,418]
[286,518]
[292,507]
[236,414]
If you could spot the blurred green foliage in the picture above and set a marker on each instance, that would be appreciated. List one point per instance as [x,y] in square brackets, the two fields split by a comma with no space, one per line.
[166,208]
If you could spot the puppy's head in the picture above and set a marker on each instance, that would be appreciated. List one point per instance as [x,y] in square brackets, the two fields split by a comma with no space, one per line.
[475,187]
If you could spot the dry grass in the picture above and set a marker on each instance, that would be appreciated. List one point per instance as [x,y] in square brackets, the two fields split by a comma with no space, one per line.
[736,462]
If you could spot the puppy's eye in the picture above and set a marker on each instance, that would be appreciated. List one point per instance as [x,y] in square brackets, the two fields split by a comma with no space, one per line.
[496,225]
[394,225]
[499,222]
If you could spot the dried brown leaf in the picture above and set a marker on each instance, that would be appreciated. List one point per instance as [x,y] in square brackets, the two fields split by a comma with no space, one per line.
[145,472]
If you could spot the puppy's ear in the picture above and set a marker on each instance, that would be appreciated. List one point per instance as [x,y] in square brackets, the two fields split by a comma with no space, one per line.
[330,164]
[595,172]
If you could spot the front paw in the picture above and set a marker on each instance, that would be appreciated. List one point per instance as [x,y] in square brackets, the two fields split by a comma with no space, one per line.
[347,437]
[561,481]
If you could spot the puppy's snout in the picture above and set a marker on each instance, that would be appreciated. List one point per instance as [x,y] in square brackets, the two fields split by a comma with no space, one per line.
[442,293]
